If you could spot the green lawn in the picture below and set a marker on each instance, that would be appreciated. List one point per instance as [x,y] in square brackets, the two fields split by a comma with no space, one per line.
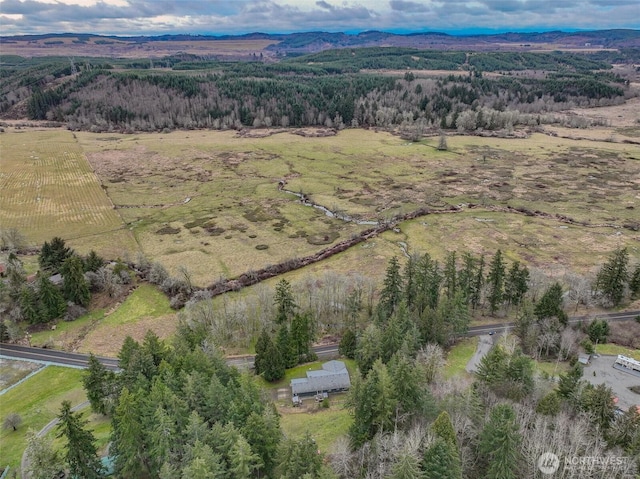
[459,356]
[615,349]
[550,367]
[324,425]
[37,400]
[146,300]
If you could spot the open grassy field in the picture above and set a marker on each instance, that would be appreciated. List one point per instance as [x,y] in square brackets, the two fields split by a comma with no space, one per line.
[324,425]
[210,201]
[103,331]
[459,356]
[49,189]
[615,349]
[37,405]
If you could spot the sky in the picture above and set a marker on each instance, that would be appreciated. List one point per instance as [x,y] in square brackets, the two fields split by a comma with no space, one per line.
[218,17]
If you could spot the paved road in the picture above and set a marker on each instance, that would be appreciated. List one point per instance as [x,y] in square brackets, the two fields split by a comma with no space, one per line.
[52,356]
[63,358]
[485,343]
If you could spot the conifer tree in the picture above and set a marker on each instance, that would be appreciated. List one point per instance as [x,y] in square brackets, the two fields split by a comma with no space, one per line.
[74,287]
[53,255]
[284,302]
[550,304]
[93,262]
[441,461]
[29,306]
[391,293]
[81,452]
[495,282]
[450,274]
[499,444]
[476,295]
[286,348]
[99,383]
[516,284]
[347,347]
[613,276]
[406,467]
[52,302]
[634,282]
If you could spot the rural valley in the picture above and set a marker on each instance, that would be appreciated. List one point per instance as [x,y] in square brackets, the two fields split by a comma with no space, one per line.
[214,224]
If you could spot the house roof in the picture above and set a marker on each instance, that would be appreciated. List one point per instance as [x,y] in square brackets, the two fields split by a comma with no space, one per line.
[332,376]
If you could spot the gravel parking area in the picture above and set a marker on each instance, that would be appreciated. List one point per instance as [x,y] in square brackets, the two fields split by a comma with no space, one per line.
[619,381]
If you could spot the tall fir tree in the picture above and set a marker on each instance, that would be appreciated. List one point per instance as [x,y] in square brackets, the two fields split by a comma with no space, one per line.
[286,347]
[499,444]
[476,296]
[495,282]
[74,287]
[284,302]
[550,304]
[466,277]
[612,277]
[450,274]
[441,461]
[100,386]
[129,436]
[391,293]
[516,284]
[53,255]
[52,303]
[81,453]
[29,306]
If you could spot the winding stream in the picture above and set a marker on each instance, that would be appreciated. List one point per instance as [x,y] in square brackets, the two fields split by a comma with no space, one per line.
[304,199]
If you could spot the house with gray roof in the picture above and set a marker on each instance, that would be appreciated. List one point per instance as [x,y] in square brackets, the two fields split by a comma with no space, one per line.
[331,378]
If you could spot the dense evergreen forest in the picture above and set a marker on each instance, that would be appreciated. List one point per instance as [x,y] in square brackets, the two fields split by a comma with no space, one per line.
[334,88]
[178,411]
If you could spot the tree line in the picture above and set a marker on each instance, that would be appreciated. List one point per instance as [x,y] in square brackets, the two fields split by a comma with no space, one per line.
[316,90]
[178,411]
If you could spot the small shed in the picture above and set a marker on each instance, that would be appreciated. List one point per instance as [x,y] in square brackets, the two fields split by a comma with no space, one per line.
[333,377]
[584,359]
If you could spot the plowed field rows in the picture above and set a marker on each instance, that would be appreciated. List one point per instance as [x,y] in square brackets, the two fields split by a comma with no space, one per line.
[47,188]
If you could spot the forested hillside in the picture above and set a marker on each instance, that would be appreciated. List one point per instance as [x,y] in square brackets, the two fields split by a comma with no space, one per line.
[325,89]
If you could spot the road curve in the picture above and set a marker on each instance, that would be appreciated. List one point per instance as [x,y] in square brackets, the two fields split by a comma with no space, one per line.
[77,360]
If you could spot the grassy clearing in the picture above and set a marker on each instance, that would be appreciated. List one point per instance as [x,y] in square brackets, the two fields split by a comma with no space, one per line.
[459,356]
[610,349]
[67,332]
[324,425]
[218,193]
[49,189]
[37,405]
[550,368]
[145,308]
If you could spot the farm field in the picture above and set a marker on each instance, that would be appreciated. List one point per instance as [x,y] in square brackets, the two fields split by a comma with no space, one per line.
[49,189]
[210,200]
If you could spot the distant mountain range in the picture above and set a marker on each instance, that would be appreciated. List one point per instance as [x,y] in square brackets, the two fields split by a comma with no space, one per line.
[310,42]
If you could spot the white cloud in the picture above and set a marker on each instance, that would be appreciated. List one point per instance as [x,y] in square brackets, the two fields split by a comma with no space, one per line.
[243,16]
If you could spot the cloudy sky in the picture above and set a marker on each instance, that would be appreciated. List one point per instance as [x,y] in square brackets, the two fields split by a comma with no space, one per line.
[126,17]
